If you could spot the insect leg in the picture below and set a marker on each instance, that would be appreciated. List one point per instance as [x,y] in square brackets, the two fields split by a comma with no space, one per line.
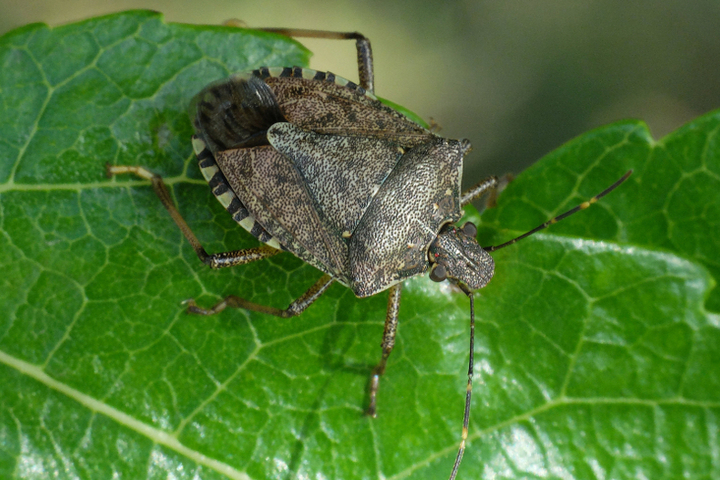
[295,308]
[391,323]
[490,184]
[218,260]
[362,44]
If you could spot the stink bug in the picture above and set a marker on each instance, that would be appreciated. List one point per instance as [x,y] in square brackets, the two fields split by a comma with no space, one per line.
[315,164]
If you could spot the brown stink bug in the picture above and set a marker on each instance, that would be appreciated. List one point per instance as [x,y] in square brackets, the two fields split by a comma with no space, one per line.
[316,165]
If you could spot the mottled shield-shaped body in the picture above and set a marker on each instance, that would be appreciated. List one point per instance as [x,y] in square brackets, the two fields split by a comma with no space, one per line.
[326,171]
[236,112]
[420,195]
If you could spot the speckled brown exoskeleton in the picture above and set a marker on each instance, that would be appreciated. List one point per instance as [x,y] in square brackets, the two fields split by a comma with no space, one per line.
[316,165]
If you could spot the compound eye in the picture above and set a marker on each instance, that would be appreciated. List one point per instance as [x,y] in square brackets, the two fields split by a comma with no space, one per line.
[438,273]
[469,229]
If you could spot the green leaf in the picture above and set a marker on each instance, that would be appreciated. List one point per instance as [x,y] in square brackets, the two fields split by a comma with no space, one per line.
[598,341]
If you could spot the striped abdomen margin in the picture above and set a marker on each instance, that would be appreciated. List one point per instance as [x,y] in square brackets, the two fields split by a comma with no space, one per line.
[225,195]
[307,74]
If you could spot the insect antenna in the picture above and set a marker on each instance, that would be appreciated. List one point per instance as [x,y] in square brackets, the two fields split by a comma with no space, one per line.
[468,292]
[468,391]
[582,206]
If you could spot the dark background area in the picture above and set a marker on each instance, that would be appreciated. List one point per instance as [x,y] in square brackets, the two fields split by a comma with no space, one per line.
[517,78]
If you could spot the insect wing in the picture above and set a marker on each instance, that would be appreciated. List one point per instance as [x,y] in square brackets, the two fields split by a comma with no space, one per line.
[420,195]
[341,173]
[235,113]
[329,104]
[275,194]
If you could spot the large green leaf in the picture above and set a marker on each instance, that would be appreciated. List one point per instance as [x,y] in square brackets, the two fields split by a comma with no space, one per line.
[597,353]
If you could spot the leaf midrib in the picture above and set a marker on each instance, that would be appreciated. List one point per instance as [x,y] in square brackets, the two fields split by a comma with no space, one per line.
[171,441]
[156,435]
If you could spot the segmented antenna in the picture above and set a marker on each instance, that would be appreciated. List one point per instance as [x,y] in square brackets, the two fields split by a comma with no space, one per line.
[468,391]
[468,292]
[582,206]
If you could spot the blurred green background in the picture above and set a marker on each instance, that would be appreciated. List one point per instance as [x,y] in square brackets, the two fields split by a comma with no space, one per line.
[518,78]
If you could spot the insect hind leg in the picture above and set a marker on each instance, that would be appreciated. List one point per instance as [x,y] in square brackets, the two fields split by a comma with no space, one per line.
[218,260]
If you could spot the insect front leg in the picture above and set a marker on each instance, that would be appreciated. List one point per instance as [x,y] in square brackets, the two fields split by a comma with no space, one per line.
[217,260]
[391,323]
[490,184]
